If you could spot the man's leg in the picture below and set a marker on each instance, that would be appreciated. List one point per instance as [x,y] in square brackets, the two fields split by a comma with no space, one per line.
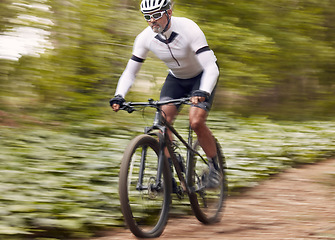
[198,117]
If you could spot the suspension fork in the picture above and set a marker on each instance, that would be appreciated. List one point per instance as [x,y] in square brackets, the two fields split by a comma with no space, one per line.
[157,124]
[161,155]
[160,161]
[160,166]
[139,185]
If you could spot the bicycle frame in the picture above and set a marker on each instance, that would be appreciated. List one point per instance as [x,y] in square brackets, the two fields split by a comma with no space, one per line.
[162,125]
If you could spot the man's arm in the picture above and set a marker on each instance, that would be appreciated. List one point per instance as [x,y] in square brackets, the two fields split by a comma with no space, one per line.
[128,76]
[126,81]
[210,75]
[205,57]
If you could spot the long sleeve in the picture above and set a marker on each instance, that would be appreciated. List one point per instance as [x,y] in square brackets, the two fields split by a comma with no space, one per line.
[128,77]
[210,75]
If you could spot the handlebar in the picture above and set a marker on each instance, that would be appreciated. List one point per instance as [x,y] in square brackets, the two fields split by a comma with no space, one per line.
[132,106]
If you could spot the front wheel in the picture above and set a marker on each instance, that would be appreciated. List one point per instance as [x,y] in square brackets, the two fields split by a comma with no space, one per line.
[207,204]
[144,199]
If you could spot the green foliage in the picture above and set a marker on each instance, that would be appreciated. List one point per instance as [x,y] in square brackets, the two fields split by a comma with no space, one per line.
[275,58]
[7,12]
[64,184]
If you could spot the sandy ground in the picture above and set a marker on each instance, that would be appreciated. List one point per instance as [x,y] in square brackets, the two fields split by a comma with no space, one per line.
[296,204]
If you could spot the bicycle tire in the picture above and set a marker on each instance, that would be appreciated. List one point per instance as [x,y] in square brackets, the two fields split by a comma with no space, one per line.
[145,211]
[207,204]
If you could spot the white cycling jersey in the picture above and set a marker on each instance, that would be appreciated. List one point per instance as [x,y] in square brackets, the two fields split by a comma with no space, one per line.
[183,48]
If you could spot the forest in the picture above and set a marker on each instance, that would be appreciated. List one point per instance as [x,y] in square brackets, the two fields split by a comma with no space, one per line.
[276,59]
[60,61]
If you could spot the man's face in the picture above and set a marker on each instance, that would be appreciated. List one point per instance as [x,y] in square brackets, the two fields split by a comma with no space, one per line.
[158,20]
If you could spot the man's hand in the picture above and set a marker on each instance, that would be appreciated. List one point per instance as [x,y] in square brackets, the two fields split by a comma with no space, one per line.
[199,96]
[115,107]
[196,99]
[116,102]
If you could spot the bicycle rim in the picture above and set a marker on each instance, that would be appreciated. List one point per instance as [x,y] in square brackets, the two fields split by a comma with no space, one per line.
[145,208]
[207,204]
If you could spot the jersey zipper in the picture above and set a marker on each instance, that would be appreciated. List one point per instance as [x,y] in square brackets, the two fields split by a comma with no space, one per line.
[167,43]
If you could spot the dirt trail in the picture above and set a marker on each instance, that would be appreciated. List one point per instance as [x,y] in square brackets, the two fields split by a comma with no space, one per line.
[296,204]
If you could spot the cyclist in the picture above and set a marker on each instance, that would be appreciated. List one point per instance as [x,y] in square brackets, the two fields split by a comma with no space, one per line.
[182,46]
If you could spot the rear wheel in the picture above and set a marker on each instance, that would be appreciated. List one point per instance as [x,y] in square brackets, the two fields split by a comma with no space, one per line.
[207,204]
[144,199]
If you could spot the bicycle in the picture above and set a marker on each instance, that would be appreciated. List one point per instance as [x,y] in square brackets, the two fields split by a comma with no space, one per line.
[146,178]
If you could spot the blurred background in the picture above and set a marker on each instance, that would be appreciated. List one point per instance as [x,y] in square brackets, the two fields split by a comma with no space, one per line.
[276,59]
[60,61]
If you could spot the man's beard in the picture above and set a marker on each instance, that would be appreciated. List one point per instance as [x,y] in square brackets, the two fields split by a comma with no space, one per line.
[157,28]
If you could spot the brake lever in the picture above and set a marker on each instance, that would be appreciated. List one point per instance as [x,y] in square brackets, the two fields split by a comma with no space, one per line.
[126,107]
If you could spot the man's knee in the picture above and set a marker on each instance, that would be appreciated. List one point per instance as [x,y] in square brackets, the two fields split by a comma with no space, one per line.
[197,118]
[197,123]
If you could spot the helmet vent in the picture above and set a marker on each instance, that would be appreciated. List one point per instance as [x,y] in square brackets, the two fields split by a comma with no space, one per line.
[154,5]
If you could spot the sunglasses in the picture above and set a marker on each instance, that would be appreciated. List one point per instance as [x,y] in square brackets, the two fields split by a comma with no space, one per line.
[155,16]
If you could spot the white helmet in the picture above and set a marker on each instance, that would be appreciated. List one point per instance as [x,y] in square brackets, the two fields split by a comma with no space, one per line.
[155,5]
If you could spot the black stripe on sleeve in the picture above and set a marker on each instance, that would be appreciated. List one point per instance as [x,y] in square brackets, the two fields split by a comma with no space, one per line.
[137,59]
[203,49]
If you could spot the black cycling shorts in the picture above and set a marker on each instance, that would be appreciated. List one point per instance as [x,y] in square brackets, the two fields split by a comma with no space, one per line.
[174,88]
